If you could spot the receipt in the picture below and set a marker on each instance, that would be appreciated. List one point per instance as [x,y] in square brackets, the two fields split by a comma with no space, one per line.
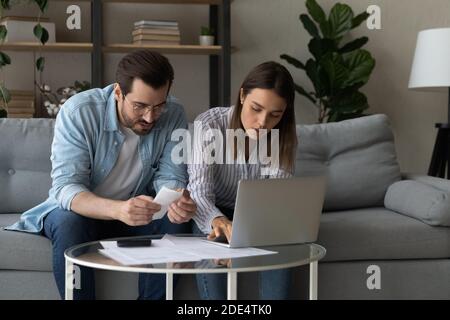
[164,198]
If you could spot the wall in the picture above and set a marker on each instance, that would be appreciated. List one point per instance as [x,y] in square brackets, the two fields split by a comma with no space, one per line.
[262,30]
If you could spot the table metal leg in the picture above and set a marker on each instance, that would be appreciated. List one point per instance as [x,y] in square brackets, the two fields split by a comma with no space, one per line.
[69,280]
[313,280]
[169,286]
[232,286]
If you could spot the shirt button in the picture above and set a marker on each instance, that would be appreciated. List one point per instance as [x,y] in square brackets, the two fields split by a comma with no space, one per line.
[11,172]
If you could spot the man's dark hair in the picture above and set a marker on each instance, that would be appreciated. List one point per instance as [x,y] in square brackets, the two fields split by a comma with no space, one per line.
[149,66]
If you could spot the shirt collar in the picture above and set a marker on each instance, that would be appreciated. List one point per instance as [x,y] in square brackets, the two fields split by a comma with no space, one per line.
[111,120]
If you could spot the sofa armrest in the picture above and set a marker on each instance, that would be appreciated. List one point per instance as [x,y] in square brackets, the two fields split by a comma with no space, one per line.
[420,200]
[439,183]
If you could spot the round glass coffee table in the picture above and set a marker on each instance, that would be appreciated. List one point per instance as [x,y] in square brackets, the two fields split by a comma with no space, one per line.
[287,256]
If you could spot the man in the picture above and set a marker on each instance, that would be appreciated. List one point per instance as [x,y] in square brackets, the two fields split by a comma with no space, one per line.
[111,150]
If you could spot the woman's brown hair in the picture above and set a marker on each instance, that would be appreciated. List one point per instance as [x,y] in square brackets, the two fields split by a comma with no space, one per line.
[274,76]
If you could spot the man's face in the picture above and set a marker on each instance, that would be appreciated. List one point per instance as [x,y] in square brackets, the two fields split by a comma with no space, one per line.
[141,107]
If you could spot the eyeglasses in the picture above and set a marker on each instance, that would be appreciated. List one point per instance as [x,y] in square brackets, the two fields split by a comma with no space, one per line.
[141,109]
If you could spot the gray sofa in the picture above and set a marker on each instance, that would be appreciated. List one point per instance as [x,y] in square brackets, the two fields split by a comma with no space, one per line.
[409,243]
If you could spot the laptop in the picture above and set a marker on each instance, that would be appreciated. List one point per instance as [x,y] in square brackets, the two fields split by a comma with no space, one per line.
[276,212]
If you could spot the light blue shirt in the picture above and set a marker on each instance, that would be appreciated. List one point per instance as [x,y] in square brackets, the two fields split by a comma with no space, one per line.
[86,144]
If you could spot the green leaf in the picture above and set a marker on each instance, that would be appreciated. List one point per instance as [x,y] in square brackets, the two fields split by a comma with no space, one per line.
[3,32]
[3,113]
[313,74]
[320,47]
[337,72]
[303,92]
[309,25]
[40,63]
[318,77]
[332,116]
[360,64]
[316,11]
[360,18]
[354,45]
[325,27]
[5,4]
[291,60]
[4,59]
[43,4]
[4,94]
[355,102]
[41,33]
[86,85]
[340,20]
[348,106]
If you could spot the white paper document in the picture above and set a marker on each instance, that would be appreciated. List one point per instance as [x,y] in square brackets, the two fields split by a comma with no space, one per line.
[164,198]
[175,249]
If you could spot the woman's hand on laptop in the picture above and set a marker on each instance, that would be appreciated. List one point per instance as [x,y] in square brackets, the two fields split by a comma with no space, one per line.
[221,227]
[183,209]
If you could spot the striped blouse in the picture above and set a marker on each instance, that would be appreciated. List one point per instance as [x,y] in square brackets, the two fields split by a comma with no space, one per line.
[215,185]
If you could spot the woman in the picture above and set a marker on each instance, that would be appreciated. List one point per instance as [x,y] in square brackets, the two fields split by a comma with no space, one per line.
[264,109]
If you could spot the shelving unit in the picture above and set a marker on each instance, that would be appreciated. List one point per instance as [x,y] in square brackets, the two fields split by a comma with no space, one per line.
[219,55]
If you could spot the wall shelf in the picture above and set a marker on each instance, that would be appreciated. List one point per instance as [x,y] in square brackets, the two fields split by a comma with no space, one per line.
[170,49]
[212,2]
[48,47]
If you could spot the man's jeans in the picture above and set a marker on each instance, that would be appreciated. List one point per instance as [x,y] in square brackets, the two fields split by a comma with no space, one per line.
[66,229]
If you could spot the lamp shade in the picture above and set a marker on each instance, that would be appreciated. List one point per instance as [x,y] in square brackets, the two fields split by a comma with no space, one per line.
[431,65]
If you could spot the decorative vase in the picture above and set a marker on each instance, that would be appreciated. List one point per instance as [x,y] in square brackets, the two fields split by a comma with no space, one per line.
[206,40]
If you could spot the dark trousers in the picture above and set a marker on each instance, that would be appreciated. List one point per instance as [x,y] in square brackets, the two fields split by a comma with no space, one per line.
[66,229]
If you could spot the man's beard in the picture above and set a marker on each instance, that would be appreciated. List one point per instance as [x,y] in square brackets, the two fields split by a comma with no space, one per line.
[134,125]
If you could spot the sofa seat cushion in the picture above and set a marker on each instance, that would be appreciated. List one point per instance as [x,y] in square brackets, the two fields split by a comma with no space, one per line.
[23,251]
[380,234]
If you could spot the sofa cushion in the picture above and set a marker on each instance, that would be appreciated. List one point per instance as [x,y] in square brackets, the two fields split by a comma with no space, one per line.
[357,155]
[24,163]
[23,251]
[419,200]
[380,234]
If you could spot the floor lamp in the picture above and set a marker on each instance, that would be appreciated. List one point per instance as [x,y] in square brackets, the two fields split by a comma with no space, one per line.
[431,72]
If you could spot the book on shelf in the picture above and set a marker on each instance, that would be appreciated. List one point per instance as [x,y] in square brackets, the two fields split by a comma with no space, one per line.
[159,31]
[156,37]
[156,43]
[16,103]
[20,109]
[174,28]
[164,23]
[21,93]
[20,115]
[21,102]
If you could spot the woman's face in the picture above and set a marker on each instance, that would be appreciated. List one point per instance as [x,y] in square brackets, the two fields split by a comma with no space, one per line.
[261,109]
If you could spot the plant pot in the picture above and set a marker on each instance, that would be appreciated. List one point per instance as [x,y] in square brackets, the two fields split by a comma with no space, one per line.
[206,40]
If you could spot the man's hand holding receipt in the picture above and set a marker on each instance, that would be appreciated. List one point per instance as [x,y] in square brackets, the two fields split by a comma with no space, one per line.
[178,204]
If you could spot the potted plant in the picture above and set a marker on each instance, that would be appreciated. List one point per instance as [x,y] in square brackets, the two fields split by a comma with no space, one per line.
[206,37]
[337,71]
